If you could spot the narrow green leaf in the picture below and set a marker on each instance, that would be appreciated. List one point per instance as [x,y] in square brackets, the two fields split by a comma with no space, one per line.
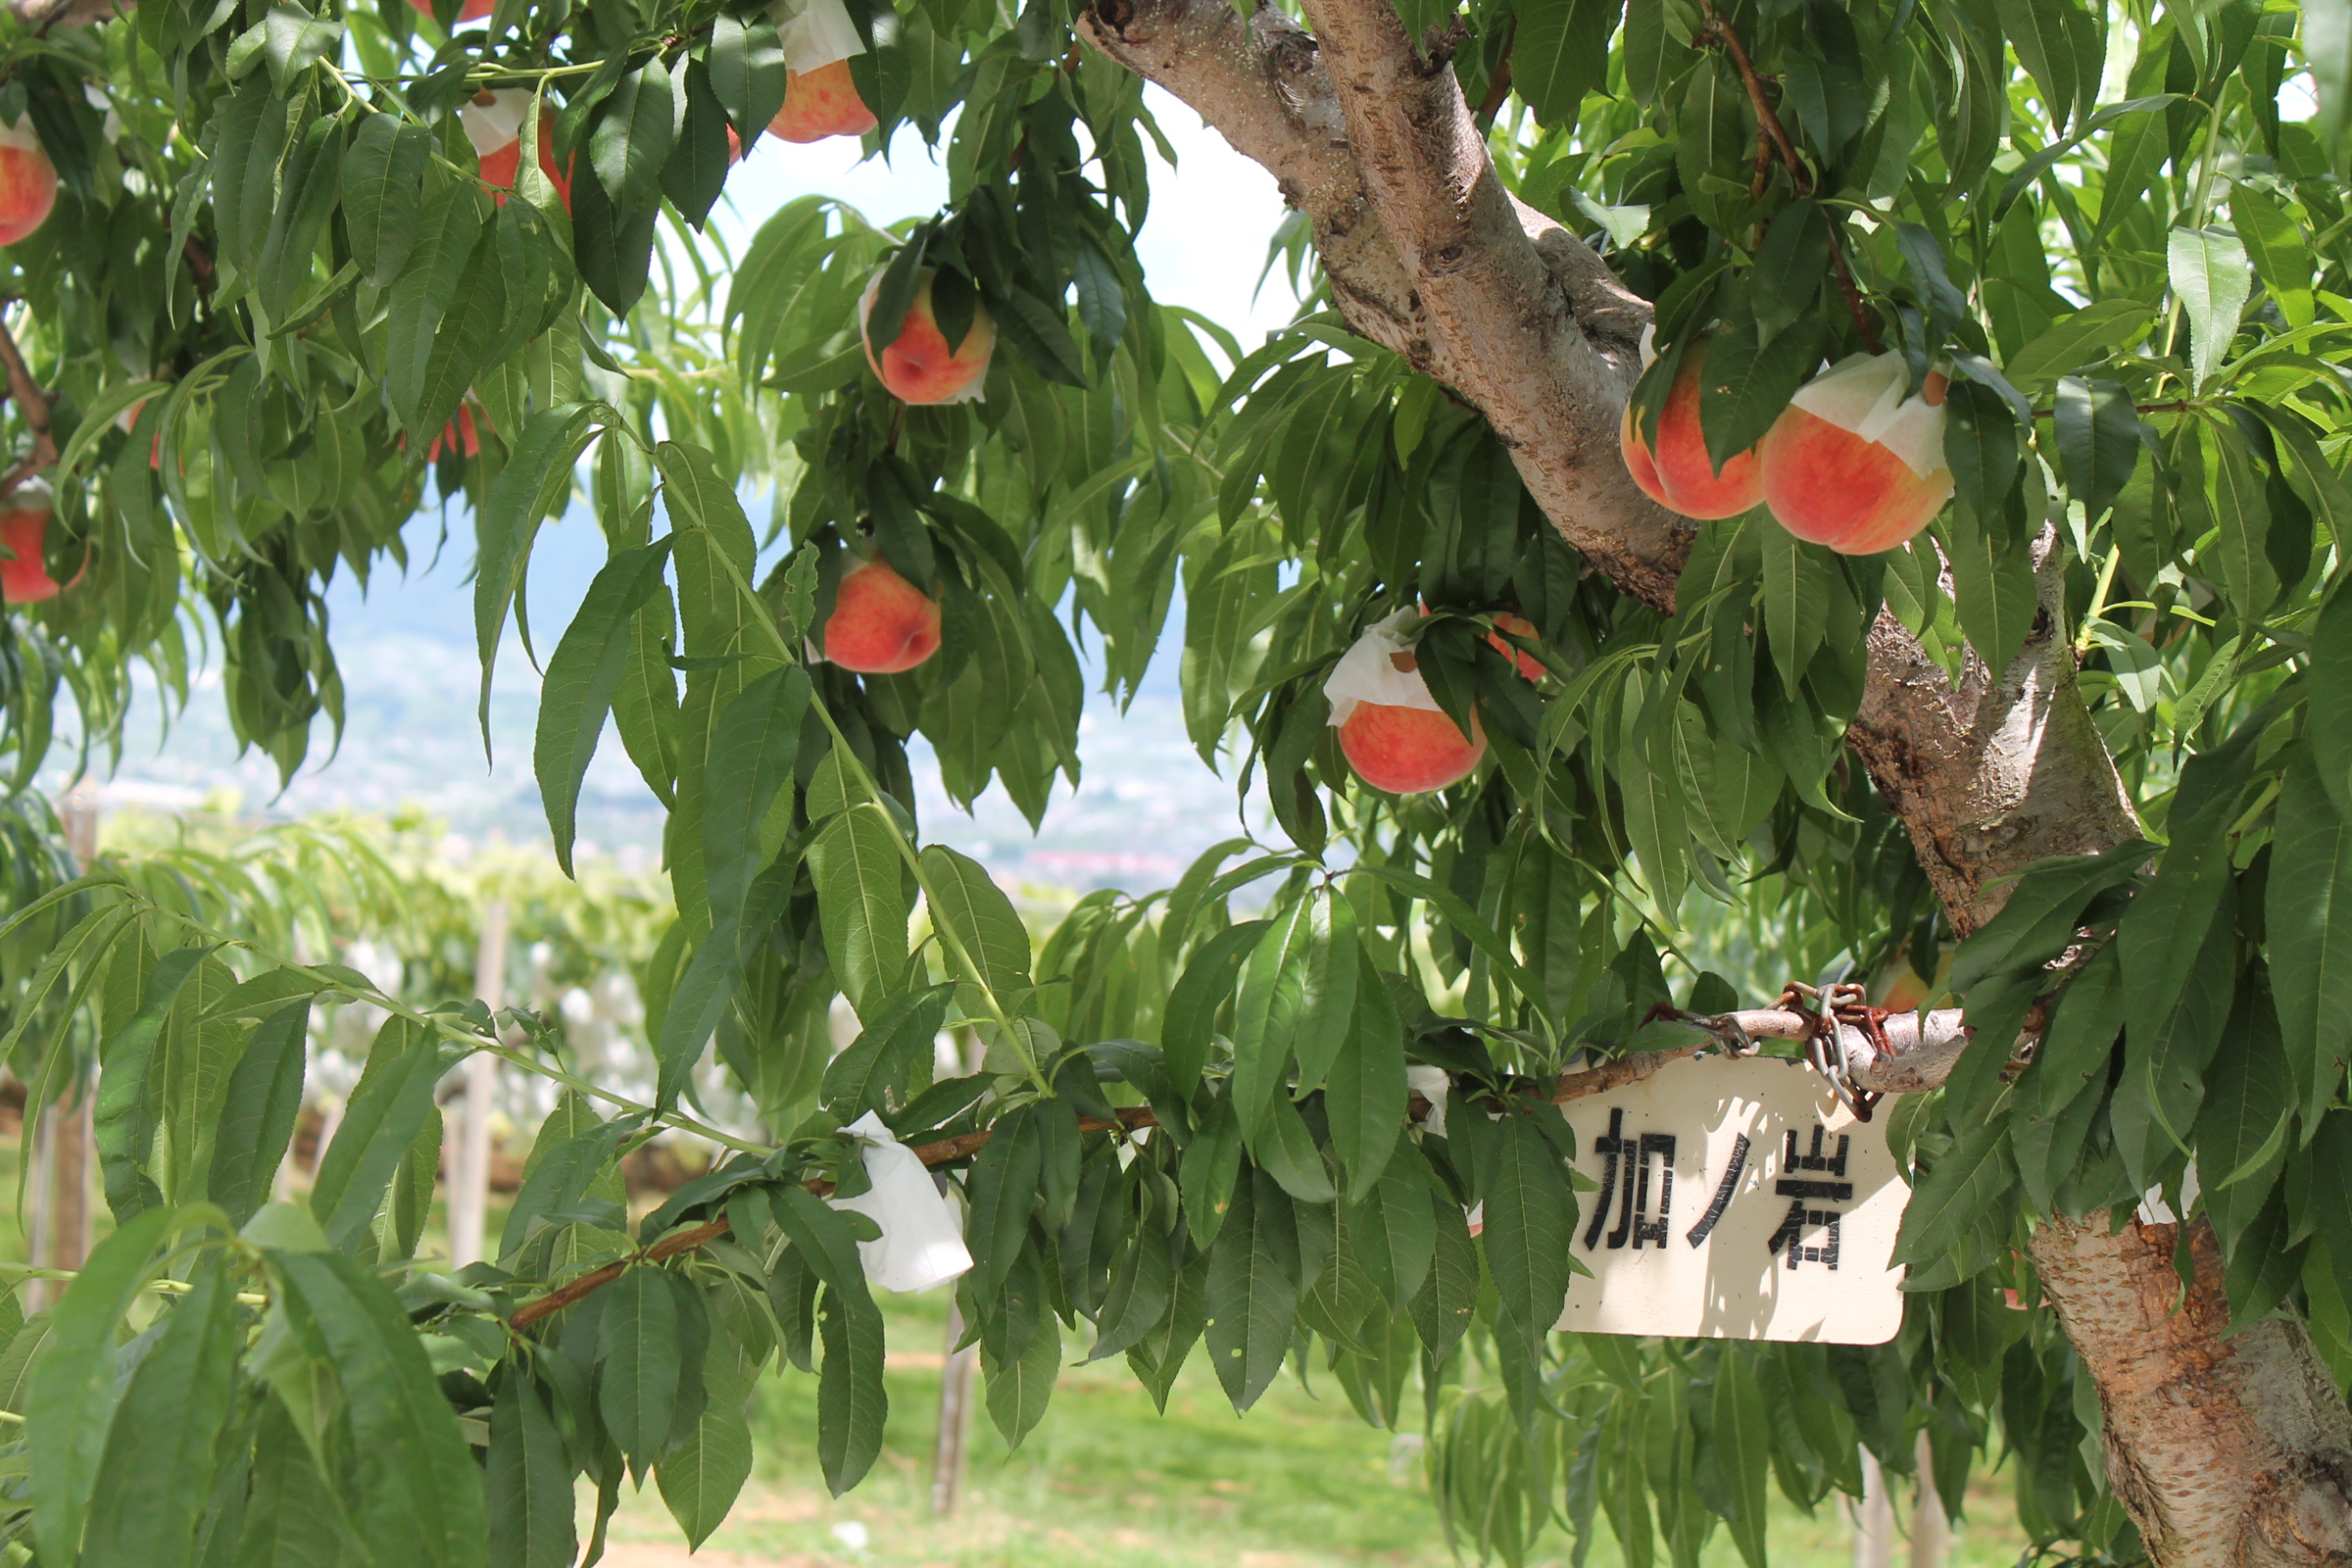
[259,1111]
[1254,1287]
[74,1389]
[582,678]
[419,1491]
[158,1470]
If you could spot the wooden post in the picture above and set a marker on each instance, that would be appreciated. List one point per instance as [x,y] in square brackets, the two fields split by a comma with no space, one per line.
[469,1165]
[956,1378]
[1874,1518]
[63,1138]
[955,1416]
[1931,1530]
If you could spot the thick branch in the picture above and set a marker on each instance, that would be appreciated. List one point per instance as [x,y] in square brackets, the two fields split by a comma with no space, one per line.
[1998,772]
[1489,296]
[39,16]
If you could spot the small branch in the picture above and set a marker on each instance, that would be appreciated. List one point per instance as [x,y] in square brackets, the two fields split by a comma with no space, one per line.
[1766,120]
[1770,130]
[1498,86]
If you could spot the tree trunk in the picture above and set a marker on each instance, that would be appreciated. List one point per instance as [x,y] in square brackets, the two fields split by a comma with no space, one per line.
[2223,1451]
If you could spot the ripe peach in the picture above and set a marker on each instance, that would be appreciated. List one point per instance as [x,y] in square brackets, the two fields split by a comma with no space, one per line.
[881,624]
[821,102]
[127,420]
[1391,731]
[917,366]
[1678,473]
[1853,464]
[458,435]
[23,530]
[471,11]
[493,122]
[1518,626]
[28,183]
[1409,751]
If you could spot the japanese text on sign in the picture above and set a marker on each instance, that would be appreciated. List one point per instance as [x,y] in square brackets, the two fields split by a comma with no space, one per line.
[1787,1214]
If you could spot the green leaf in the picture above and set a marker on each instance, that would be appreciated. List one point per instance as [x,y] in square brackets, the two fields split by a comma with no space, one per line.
[1797,606]
[1981,447]
[753,747]
[2275,244]
[2086,337]
[386,1112]
[2241,1130]
[1391,1232]
[851,1403]
[524,492]
[1254,1287]
[632,135]
[1367,1095]
[290,1517]
[528,1481]
[1020,1390]
[2098,441]
[1448,1292]
[157,1474]
[1740,1448]
[748,71]
[701,1481]
[2036,29]
[420,1498]
[1207,985]
[1992,587]
[74,1388]
[1789,268]
[259,1113]
[128,1108]
[1529,1224]
[1002,1189]
[2309,918]
[382,181]
[962,898]
[1950,1203]
[2211,279]
[637,1360]
[861,905]
[877,1069]
[1560,53]
[1267,1017]
[581,679]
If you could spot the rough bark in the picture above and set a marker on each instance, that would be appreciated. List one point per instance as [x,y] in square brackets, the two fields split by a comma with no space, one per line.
[2225,1451]
[1993,774]
[1427,255]
[1488,295]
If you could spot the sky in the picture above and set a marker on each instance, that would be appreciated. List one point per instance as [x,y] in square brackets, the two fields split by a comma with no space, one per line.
[406,646]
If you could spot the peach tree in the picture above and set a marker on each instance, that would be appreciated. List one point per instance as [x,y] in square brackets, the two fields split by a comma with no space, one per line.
[1606,662]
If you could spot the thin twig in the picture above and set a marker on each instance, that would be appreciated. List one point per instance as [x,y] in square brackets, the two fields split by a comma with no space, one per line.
[1770,129]
[1498,86]
[1766,119]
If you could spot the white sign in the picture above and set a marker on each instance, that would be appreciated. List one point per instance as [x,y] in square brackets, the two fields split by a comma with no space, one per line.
[1737,1199]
